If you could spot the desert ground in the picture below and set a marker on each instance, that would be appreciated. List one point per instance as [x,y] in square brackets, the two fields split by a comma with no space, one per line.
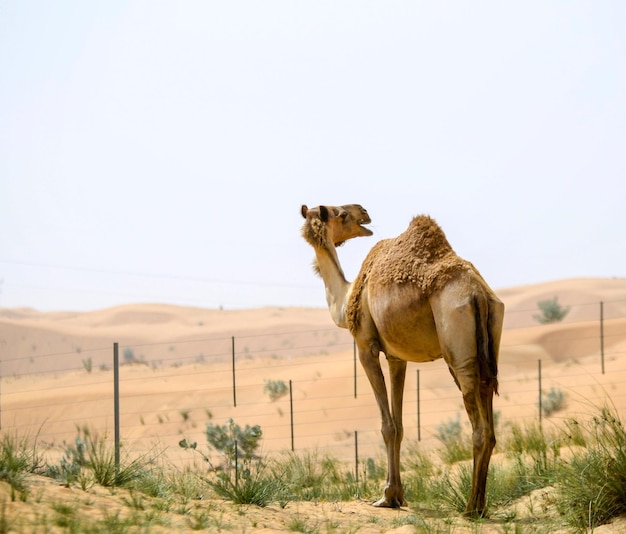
[184,367]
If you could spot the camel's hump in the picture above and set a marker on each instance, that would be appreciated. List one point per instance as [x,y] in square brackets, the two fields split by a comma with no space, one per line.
[421,255]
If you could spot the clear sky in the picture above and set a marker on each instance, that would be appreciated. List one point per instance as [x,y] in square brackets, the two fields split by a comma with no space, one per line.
[159,151]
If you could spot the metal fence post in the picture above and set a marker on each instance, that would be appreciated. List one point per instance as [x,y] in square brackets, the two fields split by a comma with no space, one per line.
[419,415]
[291,413]
[354,358]
[356,457]
[116,403]
[234,379]
[539,375]
[602,335]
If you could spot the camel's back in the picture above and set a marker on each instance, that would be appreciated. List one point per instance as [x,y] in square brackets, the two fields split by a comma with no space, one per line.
[421,255]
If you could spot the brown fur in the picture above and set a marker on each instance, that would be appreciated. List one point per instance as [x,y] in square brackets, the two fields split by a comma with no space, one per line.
[315,233]
[421,255]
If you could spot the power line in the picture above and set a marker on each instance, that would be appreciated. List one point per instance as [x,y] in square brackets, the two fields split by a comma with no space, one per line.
[153,275]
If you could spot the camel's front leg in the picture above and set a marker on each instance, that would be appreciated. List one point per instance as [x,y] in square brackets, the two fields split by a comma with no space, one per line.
[391,420]
[393,436]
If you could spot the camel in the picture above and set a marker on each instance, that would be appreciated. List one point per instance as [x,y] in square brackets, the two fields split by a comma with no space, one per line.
[414,300]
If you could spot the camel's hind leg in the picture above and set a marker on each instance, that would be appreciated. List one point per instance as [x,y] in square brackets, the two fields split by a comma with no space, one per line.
[456,328]
[479,406]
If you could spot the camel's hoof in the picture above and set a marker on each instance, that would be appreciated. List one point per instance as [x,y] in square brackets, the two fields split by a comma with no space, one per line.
[475,514]
[389,503]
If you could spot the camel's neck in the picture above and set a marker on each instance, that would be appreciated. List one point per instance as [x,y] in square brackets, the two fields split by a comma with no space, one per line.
[337,287]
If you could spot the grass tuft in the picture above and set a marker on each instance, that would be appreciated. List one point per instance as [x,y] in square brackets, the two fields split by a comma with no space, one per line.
[18,457]
[456,445]
[592,484]
[253,485]
[91,458]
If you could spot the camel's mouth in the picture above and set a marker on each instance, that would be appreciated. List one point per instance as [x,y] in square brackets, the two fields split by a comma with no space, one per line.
[361,223]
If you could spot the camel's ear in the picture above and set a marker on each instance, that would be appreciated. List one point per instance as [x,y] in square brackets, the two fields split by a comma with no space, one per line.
[304,210]
[324,214]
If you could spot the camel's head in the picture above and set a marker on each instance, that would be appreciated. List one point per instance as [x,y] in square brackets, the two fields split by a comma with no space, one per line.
[335,223]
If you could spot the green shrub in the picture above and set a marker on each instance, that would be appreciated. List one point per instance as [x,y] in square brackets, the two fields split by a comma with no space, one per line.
[551,311]
[244,480]
[275,389]
[238,444]
[88,365]
[552,401]
[129,355]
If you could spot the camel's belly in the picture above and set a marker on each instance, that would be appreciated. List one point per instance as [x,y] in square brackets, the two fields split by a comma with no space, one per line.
[407,332]
[416,349]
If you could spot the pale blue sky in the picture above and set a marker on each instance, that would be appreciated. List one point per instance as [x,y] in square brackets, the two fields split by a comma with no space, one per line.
[160,151]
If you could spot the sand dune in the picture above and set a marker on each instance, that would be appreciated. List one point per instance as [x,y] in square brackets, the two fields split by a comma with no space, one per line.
[56,369]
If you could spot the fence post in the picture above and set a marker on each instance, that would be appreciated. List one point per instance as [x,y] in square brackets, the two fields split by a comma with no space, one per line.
[234,381]
[602,335]
[291,413]
[116,403]
[540,406]
[356,457]
[354,357]
[419,415]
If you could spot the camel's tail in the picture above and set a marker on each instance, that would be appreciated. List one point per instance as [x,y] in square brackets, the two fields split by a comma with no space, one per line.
[487,342]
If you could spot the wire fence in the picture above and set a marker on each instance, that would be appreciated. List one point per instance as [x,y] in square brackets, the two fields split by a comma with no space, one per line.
[157,394]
